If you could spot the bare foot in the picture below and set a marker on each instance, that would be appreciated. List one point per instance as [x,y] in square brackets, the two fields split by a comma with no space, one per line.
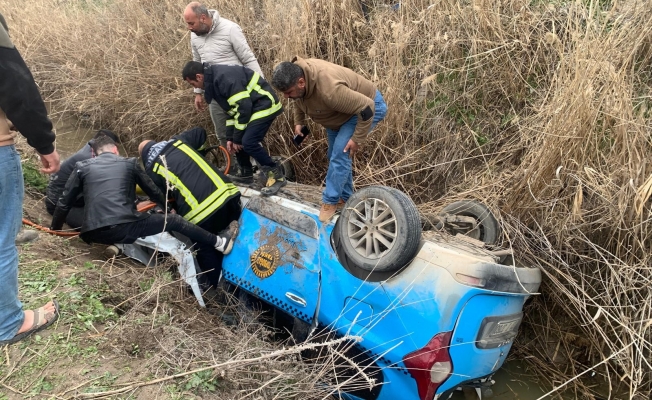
[48,310]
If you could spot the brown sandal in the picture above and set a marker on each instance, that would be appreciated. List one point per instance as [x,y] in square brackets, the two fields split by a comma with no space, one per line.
[41,321]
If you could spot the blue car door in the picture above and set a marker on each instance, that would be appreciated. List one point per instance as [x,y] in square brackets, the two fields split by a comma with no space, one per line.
[275,257]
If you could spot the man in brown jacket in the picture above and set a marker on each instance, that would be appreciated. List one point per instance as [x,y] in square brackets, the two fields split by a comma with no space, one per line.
[345,103]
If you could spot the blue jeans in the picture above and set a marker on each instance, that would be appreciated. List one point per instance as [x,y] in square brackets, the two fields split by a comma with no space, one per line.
[339,178]
[11,213]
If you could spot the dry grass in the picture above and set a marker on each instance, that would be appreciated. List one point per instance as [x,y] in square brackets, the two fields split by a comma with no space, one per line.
[540,109]
[127,331]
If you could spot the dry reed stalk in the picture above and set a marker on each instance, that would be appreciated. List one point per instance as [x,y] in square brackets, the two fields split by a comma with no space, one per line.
[542,110]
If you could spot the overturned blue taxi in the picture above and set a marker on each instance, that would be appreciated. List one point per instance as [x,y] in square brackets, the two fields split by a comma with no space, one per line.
[436,312]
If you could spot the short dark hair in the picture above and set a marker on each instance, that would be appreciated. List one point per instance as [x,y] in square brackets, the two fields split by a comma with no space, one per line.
[108,133]
[286,75]
[102,143]
[191,70]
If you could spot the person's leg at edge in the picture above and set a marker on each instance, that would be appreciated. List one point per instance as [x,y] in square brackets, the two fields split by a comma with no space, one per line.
[273,171]
[241,166]
[157,223]
[219,221]
[127,233]
[75,217]
[210,262]
[13,319]
[253,136]
[380,111]
[339,163]
[244,161]
[219,117]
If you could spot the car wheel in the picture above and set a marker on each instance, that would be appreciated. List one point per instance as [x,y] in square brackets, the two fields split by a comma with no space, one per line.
[379,230]
[486,227]
[286,165]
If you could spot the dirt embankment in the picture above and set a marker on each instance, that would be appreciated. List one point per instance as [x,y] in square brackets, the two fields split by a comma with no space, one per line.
[127,331]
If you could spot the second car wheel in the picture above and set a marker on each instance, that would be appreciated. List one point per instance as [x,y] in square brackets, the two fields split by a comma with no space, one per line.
[379,230]
[486,227]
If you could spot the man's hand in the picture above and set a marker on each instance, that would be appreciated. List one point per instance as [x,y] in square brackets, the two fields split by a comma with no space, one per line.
[351,148]
[200,104]
[232,147]
[51,163]
[297,130]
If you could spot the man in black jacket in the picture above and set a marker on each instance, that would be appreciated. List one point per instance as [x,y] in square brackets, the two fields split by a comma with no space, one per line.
[202,194]
[108,183]
[21,102]
[58,181]
[252,106]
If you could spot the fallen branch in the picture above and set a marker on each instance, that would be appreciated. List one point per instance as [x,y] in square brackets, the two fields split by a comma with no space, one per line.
[274,354]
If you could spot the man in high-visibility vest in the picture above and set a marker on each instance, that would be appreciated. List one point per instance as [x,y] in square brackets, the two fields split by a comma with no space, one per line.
[202,194]
[252,106]
[217,40]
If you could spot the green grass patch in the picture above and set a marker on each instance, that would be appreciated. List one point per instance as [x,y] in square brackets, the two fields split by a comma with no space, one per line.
[41,279]
[33,177]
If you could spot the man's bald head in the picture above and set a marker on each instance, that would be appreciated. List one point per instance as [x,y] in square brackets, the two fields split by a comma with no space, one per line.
[141,146]
[198,19]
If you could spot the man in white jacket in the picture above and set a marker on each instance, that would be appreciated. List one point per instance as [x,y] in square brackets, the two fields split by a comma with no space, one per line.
[216,40]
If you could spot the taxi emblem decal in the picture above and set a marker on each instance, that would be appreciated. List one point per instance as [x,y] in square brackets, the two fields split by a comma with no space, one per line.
[264,261]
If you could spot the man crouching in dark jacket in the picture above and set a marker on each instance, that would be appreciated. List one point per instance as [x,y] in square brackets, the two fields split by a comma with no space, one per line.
[58,182]
[108,183]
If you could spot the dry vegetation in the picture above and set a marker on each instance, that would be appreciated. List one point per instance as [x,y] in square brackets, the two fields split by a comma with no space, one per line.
[540,109]
[130,332]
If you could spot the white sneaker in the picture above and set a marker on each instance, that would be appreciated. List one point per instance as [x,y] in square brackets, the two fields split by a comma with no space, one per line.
[112,251]
[228,236]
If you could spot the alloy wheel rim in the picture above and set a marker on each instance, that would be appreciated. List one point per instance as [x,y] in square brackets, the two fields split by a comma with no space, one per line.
[372,228]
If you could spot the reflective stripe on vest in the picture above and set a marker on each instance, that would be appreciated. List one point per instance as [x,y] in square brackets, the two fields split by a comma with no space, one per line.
[233,101]
[176,182]
[223,190]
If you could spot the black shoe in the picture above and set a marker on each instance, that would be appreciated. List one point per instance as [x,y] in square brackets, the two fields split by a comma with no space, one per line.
[241,179]
[275,181]
[260,180]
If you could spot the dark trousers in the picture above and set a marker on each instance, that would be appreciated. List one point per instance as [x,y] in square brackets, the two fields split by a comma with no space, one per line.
[75,217]
[253,135]
[208,258]
[215,224]
[153,224]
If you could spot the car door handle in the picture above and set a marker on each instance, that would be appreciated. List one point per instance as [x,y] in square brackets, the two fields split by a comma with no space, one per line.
[296,299]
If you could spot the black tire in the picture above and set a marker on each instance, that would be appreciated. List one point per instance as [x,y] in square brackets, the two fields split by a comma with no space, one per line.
[360,243]
[288,168]
[488,228]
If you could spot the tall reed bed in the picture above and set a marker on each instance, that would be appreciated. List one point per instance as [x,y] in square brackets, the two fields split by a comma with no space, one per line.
[539,109]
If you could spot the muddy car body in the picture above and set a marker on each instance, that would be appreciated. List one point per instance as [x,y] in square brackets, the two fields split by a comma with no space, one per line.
[444,319]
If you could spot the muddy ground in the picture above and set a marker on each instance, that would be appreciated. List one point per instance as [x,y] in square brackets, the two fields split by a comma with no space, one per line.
[131,332]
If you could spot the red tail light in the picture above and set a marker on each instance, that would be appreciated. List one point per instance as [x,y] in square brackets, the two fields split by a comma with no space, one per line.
[431,365]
